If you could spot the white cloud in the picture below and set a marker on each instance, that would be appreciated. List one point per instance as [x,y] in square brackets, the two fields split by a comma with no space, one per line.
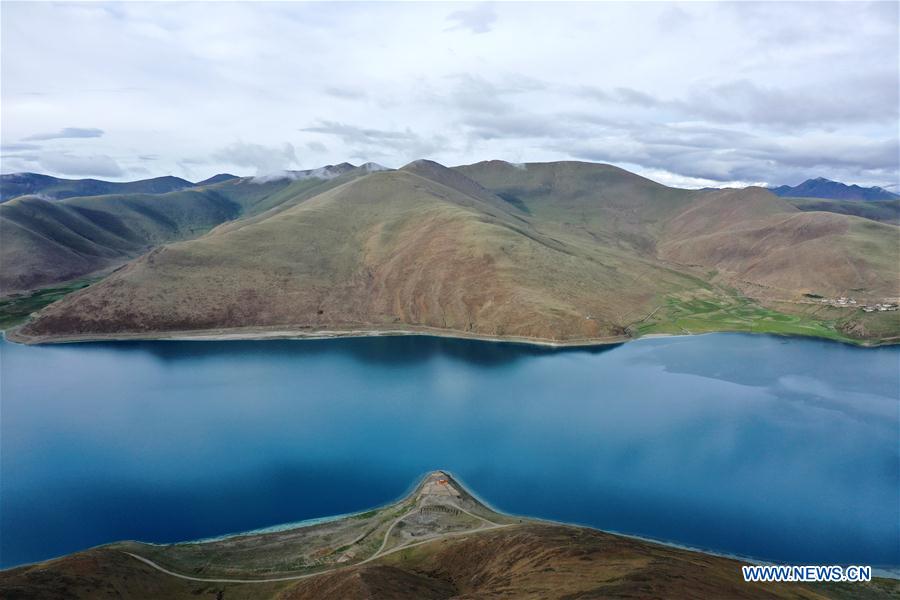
[726,92]
[66,133]
[97,165]
[478,19]
[263,159]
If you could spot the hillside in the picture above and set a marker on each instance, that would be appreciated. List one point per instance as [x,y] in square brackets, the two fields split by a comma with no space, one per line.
[392,248]
[47,242]
[558,252]
[601,203]
[886,211]
[833,190]
[438,542]
[769,243]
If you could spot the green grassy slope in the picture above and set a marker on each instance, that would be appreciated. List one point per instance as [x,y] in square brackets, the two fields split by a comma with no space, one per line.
[15,310]
[50,242]
[703,313]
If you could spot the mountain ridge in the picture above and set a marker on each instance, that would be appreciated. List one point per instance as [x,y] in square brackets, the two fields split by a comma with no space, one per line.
[560,252]
[15,185]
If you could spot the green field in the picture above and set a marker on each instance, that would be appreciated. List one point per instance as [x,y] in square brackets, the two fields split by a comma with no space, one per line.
[16,310]
[701,315]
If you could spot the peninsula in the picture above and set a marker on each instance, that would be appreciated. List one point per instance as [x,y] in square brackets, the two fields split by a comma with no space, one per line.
[439,541]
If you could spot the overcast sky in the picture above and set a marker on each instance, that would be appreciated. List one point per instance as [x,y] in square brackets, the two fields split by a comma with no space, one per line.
[689,94]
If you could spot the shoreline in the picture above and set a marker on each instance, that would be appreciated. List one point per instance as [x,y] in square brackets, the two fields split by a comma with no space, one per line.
[886,572]
[282,333]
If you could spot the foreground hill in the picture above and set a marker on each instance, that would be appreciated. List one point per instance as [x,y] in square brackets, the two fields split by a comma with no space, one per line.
[558,252]
[438,542]
[833,190]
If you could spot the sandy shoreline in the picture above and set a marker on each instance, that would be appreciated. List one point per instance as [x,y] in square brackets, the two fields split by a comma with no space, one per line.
[281,333]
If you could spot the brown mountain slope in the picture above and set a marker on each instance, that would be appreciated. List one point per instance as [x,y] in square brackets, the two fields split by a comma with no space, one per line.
[760,242]
[551,561]
[386,249]
[528,561]
[754,237]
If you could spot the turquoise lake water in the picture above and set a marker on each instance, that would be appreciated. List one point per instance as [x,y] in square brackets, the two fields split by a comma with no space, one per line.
[782,449]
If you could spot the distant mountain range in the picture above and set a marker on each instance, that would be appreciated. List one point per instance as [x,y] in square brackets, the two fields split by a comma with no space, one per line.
[48,238]
[54,188]
[14,185]
[833,190]
[556,252]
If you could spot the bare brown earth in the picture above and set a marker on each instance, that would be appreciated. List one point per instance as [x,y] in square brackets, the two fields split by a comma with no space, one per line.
[555,252]
[524,561]
[551,561]
[437,543]
[755,238]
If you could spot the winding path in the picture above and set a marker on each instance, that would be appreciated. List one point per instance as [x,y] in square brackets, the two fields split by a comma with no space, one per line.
[485,525]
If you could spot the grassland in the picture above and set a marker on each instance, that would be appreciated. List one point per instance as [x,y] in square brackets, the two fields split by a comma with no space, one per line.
[15,310]
[706,312]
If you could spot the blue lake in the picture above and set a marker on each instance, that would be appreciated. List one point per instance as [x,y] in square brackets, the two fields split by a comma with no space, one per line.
[776,448]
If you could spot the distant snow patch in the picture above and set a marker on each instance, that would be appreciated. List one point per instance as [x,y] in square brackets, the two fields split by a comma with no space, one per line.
[520,166]
[372,167]
[277,175]
[325,173]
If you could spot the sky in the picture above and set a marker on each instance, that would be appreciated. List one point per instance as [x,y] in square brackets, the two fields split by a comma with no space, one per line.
[688,94]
